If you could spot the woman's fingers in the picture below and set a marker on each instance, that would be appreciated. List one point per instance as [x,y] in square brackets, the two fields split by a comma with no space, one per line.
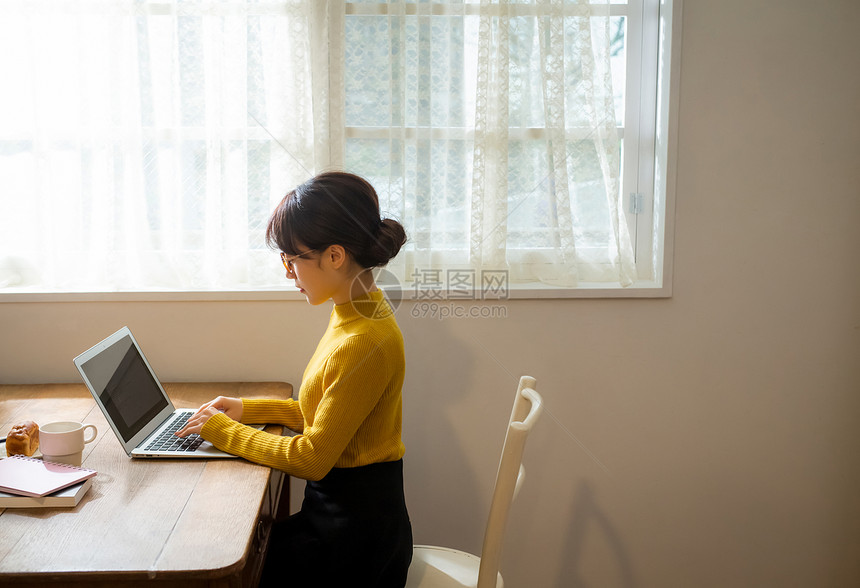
[197,420]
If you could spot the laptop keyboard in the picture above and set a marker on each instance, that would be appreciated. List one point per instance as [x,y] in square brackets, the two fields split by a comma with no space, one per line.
[167,441]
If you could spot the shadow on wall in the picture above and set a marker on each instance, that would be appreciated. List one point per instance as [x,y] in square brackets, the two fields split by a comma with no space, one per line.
[442,490]
[588,519]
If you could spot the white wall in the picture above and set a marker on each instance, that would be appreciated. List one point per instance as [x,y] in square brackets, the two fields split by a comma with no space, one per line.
[709,439]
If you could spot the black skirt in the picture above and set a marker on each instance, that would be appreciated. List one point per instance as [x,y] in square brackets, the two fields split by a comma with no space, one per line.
[353,530]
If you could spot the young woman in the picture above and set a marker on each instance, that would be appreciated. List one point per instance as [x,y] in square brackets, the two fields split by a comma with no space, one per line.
[353,528]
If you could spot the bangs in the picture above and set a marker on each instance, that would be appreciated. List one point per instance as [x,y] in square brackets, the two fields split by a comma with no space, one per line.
[280,233]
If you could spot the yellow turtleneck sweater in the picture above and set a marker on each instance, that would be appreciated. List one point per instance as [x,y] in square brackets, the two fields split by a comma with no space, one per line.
[349,409]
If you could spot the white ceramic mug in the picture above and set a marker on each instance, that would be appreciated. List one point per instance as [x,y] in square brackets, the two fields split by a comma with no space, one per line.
[64,441]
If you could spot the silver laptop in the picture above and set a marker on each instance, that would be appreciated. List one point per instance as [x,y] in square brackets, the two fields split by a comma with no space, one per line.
[134,401]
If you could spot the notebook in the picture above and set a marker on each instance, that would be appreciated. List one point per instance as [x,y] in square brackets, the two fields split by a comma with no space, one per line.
[67,497]
[28,476]
[134,402]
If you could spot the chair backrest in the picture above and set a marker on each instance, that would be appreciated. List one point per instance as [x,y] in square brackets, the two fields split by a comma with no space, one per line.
[527,408]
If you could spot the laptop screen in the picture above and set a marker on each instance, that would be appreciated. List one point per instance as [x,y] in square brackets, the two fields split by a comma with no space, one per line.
[125,387]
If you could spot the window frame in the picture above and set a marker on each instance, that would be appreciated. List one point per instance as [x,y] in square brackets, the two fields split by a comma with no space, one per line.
[652,227]
[645,209]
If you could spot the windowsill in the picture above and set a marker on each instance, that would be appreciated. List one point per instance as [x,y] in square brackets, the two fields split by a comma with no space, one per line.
[514,292]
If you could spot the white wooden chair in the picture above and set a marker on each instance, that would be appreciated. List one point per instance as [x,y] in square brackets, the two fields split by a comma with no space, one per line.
[442,567]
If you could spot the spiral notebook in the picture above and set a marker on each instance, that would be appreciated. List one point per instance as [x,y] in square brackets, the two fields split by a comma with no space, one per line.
[27,476]
[67,497]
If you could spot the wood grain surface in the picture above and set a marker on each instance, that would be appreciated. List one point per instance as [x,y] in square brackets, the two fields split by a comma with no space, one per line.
[182,522]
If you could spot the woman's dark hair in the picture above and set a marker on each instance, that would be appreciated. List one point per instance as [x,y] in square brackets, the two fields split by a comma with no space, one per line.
[335,208]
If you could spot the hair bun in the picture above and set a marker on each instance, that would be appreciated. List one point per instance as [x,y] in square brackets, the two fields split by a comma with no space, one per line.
[386,243]
[335,208]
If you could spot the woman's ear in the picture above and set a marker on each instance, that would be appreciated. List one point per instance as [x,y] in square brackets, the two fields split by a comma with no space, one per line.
[336,255]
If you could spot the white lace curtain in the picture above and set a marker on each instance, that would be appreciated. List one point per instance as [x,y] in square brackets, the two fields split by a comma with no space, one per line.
[491,128]
[145,143]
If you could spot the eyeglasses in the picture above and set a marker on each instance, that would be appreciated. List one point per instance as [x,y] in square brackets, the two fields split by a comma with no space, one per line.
[288,261]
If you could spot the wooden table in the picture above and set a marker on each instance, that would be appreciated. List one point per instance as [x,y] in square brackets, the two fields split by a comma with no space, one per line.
[189,523]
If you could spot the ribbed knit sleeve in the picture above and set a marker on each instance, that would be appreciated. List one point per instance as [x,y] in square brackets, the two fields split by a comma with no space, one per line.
[270,411]
[349,411]
[354,380]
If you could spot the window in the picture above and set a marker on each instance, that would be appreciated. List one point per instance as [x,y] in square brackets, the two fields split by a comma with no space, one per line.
[523,169]
[148,143]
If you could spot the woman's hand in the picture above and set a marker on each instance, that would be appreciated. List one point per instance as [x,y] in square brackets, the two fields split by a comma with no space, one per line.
[232,407]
